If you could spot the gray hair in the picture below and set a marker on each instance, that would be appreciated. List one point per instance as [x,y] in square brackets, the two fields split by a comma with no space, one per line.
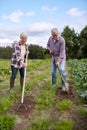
[23,34]
[54,30]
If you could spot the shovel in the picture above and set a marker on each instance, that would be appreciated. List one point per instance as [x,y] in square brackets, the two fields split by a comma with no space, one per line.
[66,87]
[22,96]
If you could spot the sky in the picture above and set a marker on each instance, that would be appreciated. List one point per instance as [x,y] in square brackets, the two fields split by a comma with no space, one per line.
[36,18]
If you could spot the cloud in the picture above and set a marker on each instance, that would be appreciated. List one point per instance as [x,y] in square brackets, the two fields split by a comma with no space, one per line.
[37,32]
[30,13]
[5,42]
[75,12]
[40,28]
[42,41]
[46,8]
[14,17]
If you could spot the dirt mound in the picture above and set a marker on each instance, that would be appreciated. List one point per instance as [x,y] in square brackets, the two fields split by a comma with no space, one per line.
[64,95]
[24,109]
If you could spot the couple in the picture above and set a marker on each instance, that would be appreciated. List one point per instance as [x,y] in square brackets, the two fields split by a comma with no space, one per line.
[56,47]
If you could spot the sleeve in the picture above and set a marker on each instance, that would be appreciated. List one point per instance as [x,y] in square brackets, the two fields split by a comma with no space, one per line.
[48,44]
[26,47]
[62,48]
[18,53]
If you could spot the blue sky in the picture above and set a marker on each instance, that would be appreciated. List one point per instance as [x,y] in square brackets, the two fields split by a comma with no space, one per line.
[37,18]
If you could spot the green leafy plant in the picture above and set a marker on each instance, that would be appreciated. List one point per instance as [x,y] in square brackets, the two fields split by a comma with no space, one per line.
[78,70]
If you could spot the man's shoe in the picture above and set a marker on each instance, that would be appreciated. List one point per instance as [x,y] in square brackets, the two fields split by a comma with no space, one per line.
[63,88]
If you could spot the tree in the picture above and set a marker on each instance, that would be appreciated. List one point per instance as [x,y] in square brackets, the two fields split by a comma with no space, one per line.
[36,52]
[83,41]
[72,42]
[5,52]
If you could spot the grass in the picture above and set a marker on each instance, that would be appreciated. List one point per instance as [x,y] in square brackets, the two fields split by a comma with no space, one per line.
[4,104]
[83,111]
[36,73]
[7,122]
[64,105]
[45,98]
[63,125]
[42,124]
[35,78]
[38,77]
[47,124]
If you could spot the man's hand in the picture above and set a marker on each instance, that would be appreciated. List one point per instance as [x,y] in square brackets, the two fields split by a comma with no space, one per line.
[58,63]
[51,51]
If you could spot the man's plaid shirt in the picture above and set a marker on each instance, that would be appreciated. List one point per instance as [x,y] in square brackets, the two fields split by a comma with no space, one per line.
[16,55]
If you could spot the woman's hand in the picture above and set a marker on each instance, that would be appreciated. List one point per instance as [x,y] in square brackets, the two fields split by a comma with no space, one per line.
[27,52]
[23,64]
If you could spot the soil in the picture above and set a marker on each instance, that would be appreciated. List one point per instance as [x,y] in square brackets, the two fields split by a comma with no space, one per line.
[26,109]
[80,123]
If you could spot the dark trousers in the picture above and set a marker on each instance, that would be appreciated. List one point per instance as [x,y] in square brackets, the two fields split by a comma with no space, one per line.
[15,70]
[13,76]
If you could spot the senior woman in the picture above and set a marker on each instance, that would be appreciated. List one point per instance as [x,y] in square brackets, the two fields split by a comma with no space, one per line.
[20,51]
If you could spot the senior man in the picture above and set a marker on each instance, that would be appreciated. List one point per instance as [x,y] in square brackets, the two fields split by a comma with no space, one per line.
[56,46]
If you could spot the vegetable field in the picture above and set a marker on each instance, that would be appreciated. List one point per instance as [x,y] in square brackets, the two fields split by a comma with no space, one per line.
[78,70]
[47,108]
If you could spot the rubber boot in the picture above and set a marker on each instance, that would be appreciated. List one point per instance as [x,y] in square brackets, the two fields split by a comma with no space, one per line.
[21,83]
[12,80]
[53,79]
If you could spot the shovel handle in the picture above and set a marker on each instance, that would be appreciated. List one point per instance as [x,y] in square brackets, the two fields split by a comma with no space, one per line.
[22,97]
[61,74]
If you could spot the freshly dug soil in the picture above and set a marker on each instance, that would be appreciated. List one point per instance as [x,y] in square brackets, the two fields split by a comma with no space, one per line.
[24,109]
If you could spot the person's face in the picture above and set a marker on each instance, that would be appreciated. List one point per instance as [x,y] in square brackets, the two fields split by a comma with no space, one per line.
[23,39]
[54,35]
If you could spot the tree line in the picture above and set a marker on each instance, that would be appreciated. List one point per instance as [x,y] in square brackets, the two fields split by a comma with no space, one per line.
[76,46]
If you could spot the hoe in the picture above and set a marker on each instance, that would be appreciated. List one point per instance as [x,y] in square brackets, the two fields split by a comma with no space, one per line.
[22,96]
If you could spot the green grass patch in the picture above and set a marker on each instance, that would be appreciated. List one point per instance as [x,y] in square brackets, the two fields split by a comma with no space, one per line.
[63,125]
[35,79]
[4,104]
[7,122]
[64,105]
[45,98]
[83,111]
[37,64]
[42,124]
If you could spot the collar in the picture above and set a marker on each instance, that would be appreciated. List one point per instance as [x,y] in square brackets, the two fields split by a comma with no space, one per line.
[57,38]
[21,44]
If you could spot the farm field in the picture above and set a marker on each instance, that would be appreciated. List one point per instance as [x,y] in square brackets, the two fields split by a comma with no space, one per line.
[47,108]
